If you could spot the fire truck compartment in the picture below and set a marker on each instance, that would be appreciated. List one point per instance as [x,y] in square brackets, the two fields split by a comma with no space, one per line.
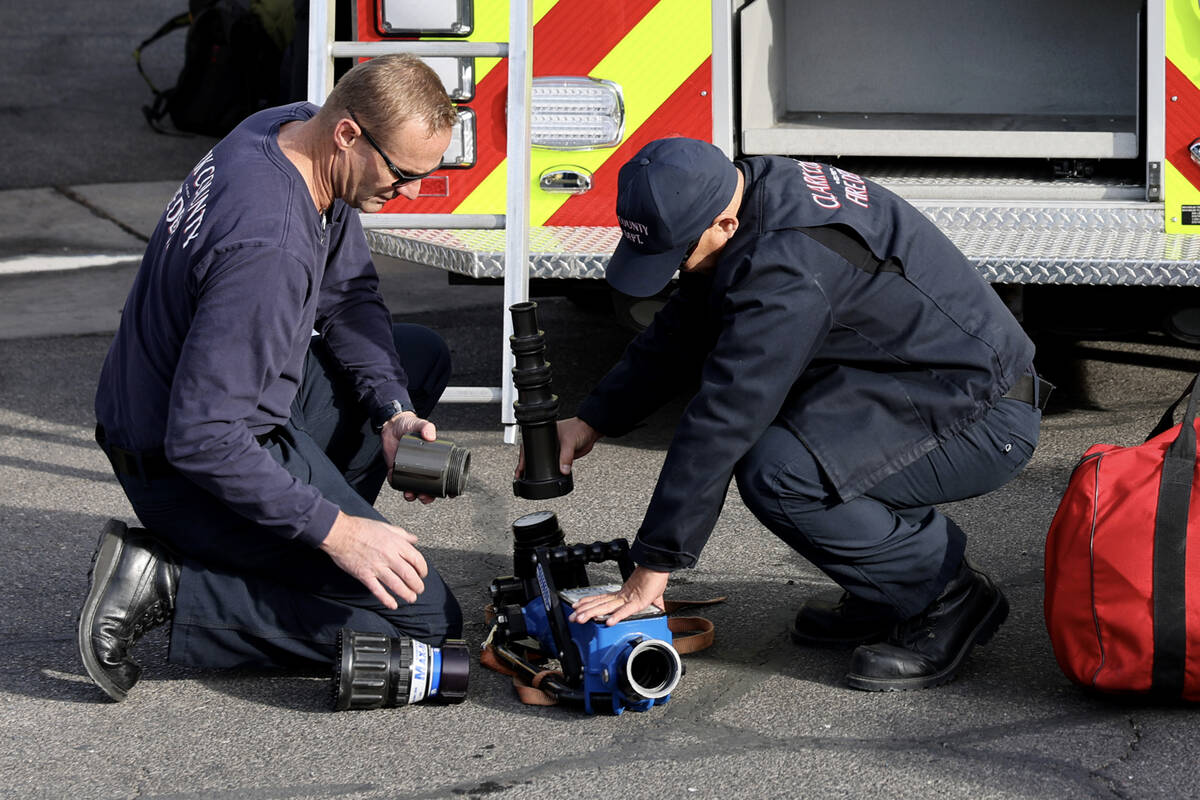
[962,78]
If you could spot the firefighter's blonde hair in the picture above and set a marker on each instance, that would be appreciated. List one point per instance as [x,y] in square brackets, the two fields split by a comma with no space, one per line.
[387,91]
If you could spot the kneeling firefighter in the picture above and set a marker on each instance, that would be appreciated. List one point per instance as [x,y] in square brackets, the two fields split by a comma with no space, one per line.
[257,390]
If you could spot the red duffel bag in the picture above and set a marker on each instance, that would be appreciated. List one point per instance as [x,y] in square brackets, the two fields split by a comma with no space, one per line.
[1122,596]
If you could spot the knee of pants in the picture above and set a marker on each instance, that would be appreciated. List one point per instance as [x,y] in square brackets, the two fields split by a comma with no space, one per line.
[778,466]
[451,620]
[425,357]
[435,622]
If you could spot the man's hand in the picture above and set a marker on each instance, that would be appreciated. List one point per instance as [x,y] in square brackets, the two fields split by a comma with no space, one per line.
[645,586]
[381,556]
[404,423]
[575,440]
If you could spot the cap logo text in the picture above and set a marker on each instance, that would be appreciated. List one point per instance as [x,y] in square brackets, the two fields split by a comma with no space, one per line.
[633,231]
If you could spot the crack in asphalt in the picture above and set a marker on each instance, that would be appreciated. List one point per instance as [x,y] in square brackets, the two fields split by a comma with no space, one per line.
[75,197]
[1110,783]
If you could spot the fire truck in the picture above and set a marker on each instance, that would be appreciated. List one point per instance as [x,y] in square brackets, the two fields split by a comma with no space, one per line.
[1056,143]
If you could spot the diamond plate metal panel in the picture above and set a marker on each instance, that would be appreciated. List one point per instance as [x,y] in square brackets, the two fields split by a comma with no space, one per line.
[1086,243]
[559,252]
[1124,217]
[1061,243]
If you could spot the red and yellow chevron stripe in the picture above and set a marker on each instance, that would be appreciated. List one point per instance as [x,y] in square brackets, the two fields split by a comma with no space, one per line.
[658,51]
[1181,175]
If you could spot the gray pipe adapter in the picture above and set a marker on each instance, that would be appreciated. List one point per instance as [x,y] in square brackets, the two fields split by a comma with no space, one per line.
[438,469]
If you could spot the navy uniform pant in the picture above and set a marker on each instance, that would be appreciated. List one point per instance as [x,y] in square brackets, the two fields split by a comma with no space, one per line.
[889,546]
[250,598]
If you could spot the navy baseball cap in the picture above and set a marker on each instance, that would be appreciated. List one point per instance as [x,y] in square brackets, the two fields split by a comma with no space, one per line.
[667,195]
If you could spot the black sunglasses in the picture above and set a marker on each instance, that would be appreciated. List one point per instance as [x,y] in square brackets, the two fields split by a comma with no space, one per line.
[688,253]
[402,177]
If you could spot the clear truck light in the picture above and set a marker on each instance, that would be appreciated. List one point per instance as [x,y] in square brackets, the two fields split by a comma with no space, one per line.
[461,151]
[426,18]
[457,74]
[576,113]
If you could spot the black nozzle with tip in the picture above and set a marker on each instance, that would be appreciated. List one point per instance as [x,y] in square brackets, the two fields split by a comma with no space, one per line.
[535,409]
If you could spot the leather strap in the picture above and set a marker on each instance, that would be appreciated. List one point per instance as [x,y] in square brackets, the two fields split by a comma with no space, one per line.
[487,658]
[691,634]
[530,693]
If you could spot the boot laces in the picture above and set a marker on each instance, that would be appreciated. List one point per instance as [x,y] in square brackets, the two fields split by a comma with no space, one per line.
[920,626]
[152,617]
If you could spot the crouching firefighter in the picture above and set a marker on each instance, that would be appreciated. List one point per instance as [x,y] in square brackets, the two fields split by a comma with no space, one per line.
[848,367]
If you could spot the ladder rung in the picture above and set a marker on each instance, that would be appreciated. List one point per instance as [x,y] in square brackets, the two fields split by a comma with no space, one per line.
[488,222]
[323,49]
[471,394]
[459,49]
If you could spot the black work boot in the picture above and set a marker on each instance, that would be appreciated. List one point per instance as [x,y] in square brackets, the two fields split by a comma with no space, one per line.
[133,584]
[842,621]
[928,649]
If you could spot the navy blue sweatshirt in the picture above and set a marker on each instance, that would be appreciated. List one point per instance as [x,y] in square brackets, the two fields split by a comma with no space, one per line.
[870,366]
[239,272]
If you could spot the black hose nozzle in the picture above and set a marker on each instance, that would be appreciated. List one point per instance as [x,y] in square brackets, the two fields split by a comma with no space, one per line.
[535,409]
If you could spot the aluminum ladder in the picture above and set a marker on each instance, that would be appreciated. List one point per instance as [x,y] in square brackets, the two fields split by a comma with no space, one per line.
[323,48]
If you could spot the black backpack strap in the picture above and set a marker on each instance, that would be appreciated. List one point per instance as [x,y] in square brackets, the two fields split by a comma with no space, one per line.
[1170,559]
[158,108]
[173,24]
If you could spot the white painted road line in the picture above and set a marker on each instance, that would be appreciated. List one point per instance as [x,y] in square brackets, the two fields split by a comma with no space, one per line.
[25,264]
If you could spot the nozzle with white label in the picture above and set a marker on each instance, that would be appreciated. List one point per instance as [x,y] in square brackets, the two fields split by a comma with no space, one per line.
[377,671]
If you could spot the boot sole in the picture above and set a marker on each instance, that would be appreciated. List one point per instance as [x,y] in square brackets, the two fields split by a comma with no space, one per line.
[104,563]
[982,634]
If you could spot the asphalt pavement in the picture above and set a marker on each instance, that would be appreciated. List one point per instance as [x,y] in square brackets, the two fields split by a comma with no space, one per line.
[755,716]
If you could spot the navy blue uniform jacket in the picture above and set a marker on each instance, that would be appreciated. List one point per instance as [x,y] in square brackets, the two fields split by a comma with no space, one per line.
[869,367]
[210,352]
